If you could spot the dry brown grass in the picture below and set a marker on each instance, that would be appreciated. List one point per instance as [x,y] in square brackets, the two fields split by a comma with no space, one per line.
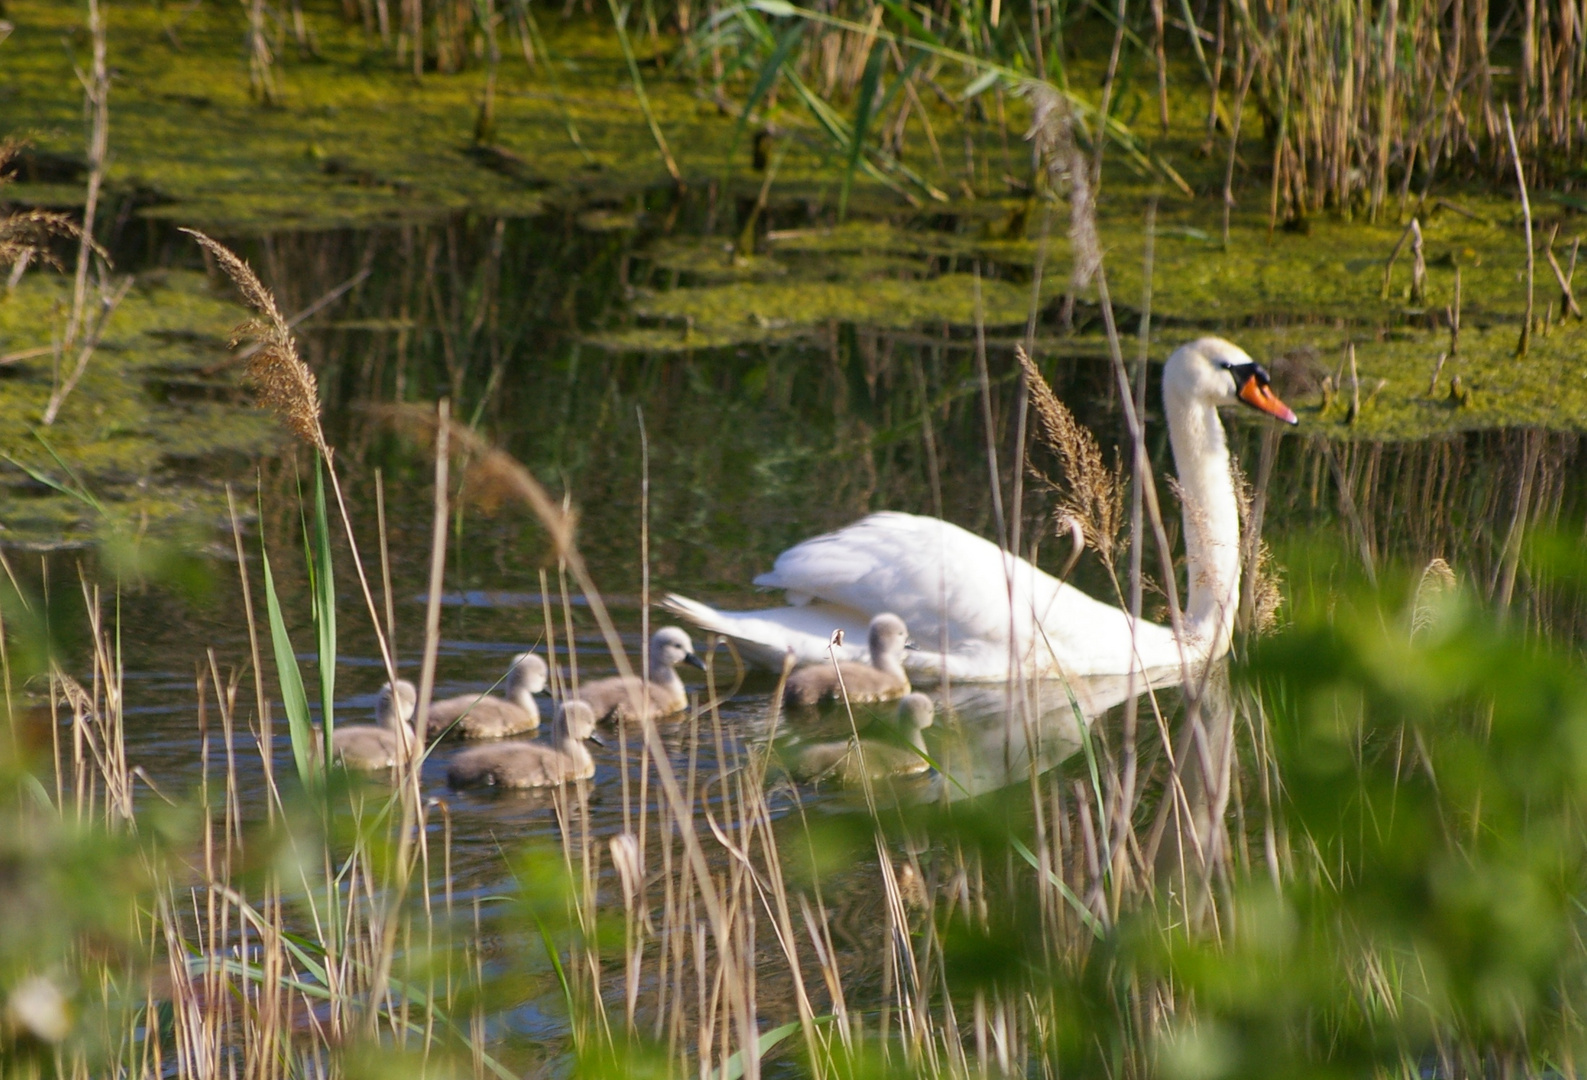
[26,235]
[1265,575]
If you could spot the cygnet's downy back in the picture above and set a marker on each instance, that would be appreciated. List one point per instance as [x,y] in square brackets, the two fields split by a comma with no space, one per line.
[880,680]
[372,747]
[482,716]
[662,692]
[532,765]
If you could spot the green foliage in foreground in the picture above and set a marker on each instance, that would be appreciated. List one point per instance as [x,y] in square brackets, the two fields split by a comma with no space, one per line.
[1412,897]
[1434,770]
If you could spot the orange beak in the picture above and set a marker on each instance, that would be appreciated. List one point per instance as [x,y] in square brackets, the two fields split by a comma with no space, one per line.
[1259,395]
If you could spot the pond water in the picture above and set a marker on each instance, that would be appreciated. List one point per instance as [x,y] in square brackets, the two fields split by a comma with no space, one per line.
[538,330]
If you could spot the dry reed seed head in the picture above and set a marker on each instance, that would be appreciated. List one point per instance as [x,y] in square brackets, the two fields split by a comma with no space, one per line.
[28,234]
[253,290]
[1263,572]
[1057,158]
[1267,590]
[281,381]
[1091,493]
[1435,592]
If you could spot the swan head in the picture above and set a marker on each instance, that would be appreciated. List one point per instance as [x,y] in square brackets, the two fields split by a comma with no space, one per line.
[915,711]
[670,647]
[1212,371]
[396,703]
[576,720]
[527,674]
[889,638]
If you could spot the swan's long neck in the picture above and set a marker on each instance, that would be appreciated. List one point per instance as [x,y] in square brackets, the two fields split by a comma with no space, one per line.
[1212,521]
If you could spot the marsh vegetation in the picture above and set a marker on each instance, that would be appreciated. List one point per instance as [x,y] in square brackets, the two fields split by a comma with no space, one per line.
[547,310]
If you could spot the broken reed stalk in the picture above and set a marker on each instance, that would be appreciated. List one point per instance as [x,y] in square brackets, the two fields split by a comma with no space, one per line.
[1567,298]
[96,94]
[411,796]
[1526,213]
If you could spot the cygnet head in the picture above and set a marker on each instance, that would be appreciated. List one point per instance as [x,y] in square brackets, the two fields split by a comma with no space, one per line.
[396,704]
[1212,371]
[527,674]
[889,639]
[670,646]
[576,720]
[915,711]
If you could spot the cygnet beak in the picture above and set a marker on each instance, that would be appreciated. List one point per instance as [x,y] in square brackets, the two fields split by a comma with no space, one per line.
[911,646]
[595,737]
[693,661]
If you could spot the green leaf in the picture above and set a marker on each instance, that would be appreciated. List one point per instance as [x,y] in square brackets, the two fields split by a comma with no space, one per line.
[862,120]
[1087,916]
[324,598]
[984,82]
[764,83]
[734,1067]
[778,8]
[293,698]
[911,22]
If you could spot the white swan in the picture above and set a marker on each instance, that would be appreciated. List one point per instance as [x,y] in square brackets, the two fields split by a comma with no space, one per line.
[953,588]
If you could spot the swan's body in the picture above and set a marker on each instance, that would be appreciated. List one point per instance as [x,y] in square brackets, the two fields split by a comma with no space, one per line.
[881,680]
[662,693]
[373,747]
[480,716]
[849,761]
[531,765]
[953,588]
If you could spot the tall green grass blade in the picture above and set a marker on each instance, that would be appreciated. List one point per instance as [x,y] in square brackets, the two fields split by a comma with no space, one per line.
[324,597]
[619,17]
[80,492]
[862,120]
[1105,840]
[911,22]
[763,84]
[1087,916]
[1117,130]
[734,1066]
[293,698]
[539,42]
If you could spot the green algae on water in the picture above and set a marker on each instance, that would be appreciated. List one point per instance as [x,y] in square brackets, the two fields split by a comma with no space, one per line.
[145,439]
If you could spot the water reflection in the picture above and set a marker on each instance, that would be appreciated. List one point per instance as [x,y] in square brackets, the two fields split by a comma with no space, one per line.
[1005,737]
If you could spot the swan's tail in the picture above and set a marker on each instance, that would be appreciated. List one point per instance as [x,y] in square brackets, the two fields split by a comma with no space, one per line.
[764,637]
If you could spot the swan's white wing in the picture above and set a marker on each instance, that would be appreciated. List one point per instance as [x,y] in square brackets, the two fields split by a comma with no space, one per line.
[927,572]
[765,637]
[944,581]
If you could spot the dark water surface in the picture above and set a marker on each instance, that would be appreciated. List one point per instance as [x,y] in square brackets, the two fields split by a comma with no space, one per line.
[750,448]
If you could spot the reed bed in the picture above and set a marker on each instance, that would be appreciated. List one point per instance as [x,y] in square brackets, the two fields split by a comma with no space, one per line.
[1360,106]
[1279,871]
